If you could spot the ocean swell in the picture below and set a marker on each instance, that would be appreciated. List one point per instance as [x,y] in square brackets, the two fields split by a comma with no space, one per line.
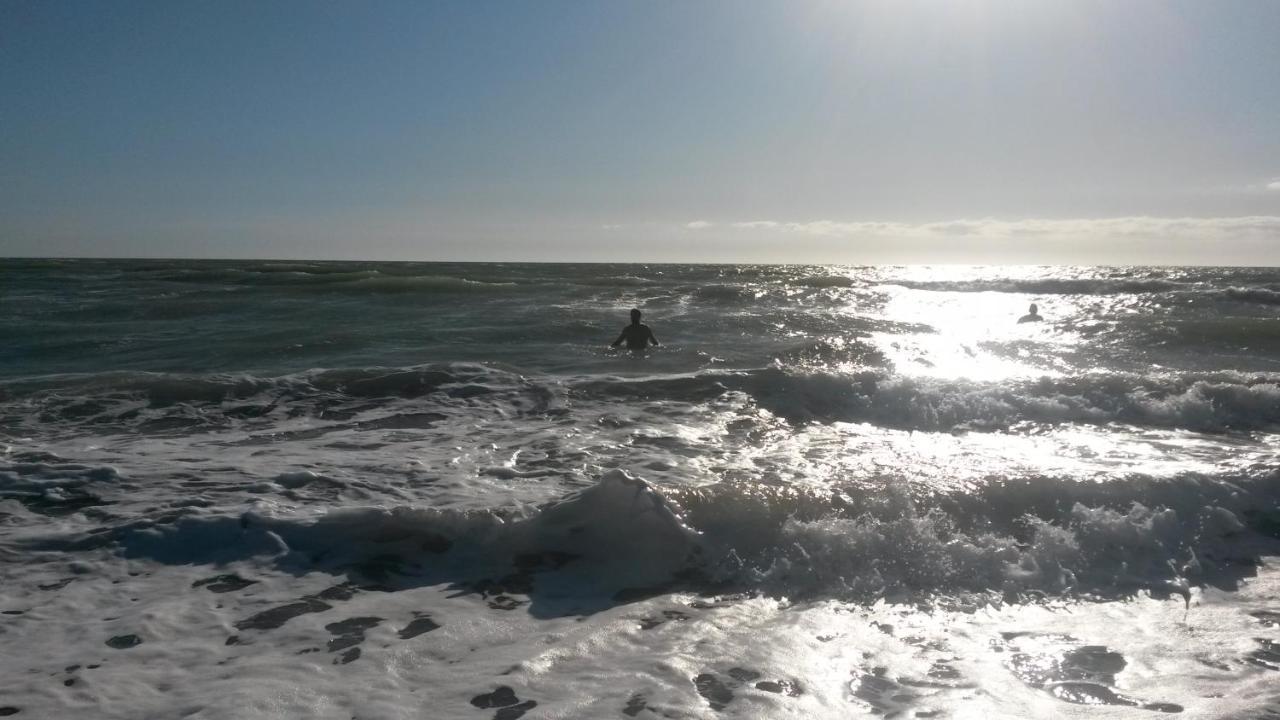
[1204,402]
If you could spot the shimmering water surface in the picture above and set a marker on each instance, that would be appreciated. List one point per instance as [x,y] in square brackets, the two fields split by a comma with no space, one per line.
[286,489]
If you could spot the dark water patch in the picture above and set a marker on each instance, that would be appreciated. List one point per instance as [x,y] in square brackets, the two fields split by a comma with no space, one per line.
[500,594]
[1087,693]
[781,687]
[1269,618]
[350,632]
[1093,663]
[719,692]
[1077,674]
[882,694]
[418,626]
[504,698]
[515,711]
[940,670]
[649,623]
[505,602]
[715,692]
[379,568]
[1267,656]
[224,583]
[124,642]
[339,592]
[7,710]
[635,705]
[277,616]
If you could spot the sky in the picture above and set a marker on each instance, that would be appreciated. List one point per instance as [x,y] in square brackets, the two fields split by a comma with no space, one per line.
[828,131]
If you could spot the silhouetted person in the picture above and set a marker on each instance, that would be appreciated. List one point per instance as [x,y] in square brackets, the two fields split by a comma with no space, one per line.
[1032,315]
[637,336]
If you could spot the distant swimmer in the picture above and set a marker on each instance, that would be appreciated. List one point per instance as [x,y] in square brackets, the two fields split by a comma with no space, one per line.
[1033,315]
[637,336]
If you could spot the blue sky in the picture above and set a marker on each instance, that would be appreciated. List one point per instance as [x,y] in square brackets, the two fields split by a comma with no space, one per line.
[824,131]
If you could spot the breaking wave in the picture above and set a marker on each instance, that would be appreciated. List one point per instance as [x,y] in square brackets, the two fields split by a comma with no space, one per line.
[1261,296]
[1215,402]
[621,536]
[1205,402]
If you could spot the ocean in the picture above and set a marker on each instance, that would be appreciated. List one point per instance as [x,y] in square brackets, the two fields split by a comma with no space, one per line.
[270,489]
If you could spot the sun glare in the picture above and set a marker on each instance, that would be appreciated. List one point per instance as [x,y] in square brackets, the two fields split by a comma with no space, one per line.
[974,335]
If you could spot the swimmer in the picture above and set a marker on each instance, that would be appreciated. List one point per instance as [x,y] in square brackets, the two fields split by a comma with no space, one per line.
[1032,315]
[637,336]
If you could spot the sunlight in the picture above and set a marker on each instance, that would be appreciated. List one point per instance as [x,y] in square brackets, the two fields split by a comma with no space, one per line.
[974,335]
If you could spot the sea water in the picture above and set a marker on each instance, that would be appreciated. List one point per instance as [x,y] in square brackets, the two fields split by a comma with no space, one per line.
[243,489]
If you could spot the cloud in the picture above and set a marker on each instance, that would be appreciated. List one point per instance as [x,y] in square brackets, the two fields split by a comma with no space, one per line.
[996,229]
[1274,185]
[697,225]
[1132,240]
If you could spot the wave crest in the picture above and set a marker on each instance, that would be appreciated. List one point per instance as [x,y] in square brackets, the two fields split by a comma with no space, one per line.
[1203,402]
[622,533]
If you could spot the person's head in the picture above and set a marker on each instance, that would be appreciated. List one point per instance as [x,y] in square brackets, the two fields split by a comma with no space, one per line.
[1034,310]
[635,316]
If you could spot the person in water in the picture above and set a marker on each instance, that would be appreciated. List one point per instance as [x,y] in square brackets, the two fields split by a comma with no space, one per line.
[1033,315]
[637,335]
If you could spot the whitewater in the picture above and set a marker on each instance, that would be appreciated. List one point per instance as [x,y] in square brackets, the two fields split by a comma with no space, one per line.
[274,489]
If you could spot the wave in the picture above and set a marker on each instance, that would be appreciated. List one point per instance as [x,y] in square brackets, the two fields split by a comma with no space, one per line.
[1210,402]
[1048,286]
[1100,286]
[1259,335]
[419,283]
[1260,296]
[624,537]
[344,277]
[723,293]
[162,389]
[1205,402]
[829,281]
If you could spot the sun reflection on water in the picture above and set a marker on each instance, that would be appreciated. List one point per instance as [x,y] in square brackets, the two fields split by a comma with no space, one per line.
[973,335]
